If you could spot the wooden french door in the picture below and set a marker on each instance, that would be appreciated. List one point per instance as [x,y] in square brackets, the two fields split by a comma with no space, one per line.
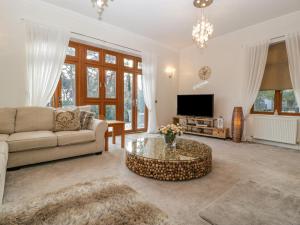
[135,111]
[109,81]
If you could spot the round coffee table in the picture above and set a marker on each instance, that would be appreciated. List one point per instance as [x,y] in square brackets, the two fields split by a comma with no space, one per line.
[150,157]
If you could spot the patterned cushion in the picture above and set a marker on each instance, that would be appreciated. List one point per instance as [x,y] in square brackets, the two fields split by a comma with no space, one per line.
[67,120]
[85,119]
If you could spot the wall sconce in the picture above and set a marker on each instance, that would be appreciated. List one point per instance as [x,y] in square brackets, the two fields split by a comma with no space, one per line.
[170,71]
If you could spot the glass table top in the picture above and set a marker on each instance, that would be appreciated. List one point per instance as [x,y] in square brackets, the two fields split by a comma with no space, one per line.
[155,148]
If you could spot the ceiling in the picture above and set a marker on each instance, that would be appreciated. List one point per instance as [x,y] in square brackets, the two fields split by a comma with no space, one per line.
[170,22]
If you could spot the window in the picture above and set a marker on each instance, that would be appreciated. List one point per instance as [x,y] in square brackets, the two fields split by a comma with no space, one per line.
[288,102]
[95,109]
[110,59]
[92,82]
[110,82]
[92,55]
[128,96]
[110,112]
[276,95]
[140,65]
[68,85]
[71,51]
[264,102]
[140,103]
[128,63]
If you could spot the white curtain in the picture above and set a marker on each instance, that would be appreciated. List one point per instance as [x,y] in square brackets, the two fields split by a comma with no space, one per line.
[149,62]
[45,53]
[256,63]
[293,50]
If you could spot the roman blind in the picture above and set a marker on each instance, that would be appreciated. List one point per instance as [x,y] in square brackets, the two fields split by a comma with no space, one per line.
[277,74]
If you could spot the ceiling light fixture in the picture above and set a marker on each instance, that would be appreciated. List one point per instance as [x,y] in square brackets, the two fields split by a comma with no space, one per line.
[203,29]
[100,5]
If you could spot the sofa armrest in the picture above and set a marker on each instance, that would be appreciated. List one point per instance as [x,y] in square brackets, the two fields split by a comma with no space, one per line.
[99,127]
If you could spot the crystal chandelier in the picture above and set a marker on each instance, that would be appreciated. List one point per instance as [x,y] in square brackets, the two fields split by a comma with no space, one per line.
[100,5]
[203,29]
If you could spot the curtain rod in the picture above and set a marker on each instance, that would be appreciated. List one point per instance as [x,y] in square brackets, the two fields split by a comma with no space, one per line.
[98,39]
[107,42]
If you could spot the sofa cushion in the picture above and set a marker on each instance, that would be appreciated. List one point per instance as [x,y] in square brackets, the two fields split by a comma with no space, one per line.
[3,137]
[86,118]
[67,120]
[31,140]
[75,137]
[34,119]
[7,120]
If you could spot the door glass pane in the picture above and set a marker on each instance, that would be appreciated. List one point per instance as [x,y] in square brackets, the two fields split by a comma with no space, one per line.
[110,112]
[128,63]
[68,80]
[110,83]
[95,109]
[71,51]
[111,59]
[92,82]
[289,103]
[264,101]
[92,55]
[140,103]
[140,65]
[128,92]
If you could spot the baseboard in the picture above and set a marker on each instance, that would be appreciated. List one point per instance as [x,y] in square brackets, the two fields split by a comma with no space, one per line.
[278,144]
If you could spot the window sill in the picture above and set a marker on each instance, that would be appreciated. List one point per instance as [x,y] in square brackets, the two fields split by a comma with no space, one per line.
[291,115]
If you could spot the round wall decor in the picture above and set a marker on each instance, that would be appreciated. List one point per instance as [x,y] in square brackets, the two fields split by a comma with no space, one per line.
[204,73]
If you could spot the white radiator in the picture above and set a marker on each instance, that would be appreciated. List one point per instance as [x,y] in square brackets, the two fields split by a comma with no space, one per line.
[276,128]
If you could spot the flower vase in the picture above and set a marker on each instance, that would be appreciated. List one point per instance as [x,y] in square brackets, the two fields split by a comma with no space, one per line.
[170,140]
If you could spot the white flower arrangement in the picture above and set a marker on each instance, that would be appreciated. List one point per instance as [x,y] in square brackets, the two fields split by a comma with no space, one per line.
[171,129]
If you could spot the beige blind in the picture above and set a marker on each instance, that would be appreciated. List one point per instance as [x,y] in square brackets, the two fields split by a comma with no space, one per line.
[277,74]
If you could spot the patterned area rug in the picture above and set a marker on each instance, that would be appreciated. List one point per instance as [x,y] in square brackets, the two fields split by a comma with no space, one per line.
[249,203]
[104,202]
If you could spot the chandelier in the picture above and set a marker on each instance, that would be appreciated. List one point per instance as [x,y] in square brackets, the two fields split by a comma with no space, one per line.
[203,29]
[100,5]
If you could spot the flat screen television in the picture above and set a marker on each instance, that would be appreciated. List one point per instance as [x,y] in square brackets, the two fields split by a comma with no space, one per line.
[195,105]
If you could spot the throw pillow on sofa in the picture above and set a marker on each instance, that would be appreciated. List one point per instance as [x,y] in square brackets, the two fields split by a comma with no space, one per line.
[85,119]
[67,120]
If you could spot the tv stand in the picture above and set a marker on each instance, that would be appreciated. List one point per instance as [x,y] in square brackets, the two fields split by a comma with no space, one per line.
[200,126]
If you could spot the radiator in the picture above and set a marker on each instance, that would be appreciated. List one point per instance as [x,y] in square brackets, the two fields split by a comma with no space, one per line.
[276,128]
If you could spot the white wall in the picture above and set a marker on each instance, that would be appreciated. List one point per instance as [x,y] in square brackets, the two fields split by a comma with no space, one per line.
[12,49]
[226,56]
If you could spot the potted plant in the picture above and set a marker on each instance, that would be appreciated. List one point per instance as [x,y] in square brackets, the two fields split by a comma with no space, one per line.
[169,132]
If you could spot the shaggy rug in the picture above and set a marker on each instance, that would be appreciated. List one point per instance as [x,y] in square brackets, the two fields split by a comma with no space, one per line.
[104,202]
[249,203]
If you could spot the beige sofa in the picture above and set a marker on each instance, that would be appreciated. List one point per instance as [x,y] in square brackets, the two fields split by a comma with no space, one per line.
[26,133]
[3,163]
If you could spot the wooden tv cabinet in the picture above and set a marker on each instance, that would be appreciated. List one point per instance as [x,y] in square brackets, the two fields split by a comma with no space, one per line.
[200,126]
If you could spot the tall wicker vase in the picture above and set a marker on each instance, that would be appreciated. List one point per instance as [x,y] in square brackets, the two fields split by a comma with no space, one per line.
[237,124]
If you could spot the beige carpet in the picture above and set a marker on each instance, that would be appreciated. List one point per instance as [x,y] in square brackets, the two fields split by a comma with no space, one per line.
[101,202]
[233,163]
[250,203]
